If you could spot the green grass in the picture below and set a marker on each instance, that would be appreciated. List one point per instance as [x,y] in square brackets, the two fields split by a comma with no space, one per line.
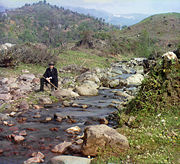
[154,135]
[35,69]
[66,58]
[84,59]
[156,141]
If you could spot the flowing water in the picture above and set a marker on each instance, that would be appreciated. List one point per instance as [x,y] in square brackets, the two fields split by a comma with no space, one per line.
[41,137]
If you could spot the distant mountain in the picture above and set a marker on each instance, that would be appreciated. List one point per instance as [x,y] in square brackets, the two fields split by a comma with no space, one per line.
[2,8]
[127,19]
[118,19]
[45,23]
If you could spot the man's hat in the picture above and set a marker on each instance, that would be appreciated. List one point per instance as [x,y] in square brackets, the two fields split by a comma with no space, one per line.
[51,63]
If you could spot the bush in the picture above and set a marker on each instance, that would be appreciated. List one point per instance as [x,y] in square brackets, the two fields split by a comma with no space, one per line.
[27,53]
[160,90]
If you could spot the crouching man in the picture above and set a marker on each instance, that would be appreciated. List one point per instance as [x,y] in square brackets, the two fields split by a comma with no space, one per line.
[50,76]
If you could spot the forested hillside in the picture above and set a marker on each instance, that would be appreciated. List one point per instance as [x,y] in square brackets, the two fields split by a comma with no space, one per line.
[42,22]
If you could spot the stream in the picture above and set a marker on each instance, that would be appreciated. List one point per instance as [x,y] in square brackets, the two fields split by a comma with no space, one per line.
[44,135]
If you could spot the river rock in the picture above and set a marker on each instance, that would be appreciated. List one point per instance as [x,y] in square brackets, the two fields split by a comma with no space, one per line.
[114,83]
[25,87]
[5,97]
[65,159]
[101,136]
[61,148]
[3,117]
[36,81]
[14,86]
[65,93]
[23,133]
[88,76]
[139,69]
[37,158]
[37,107]
[18,138]
[24,105]
[27,77]
[73,130]
[85,90]
[4,89]
[103,121]
[66,103]
[3,81]
[75,149]
[79,141]
[91,84]
[45,100]
[135,79]
[125,95]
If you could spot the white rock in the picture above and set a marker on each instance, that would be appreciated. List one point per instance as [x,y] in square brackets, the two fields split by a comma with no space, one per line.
[65,93]
[64,159]
[170,56]
[86,91]
[73,130]
[135,79]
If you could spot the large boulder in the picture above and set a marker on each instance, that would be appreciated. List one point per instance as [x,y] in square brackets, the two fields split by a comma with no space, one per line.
[101,136]
[135,80]
[65,93]
[65,159]
[88,76]
[87,90]
[91,84]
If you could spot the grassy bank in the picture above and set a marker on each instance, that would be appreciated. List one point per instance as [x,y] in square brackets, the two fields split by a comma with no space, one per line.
[85,59]
[154,134]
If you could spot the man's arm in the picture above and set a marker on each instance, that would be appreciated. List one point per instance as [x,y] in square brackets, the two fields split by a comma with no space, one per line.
[46,73]
[56,73]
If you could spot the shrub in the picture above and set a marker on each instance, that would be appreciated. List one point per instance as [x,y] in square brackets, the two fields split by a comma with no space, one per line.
[160,90]
[27,53]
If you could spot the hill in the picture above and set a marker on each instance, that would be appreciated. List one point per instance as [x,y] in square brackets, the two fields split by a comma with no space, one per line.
[154,35]
[165,28]
[42,22]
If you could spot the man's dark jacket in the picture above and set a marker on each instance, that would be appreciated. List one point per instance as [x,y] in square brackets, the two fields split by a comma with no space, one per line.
[51,73]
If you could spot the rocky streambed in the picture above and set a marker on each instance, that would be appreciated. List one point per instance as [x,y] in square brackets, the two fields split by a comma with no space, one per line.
[56,129]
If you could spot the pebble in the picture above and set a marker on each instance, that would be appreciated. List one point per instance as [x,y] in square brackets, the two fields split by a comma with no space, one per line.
[73,130]
[18,138]
[48,118]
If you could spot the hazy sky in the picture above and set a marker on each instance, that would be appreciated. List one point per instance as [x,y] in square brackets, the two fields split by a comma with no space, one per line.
[112,6]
